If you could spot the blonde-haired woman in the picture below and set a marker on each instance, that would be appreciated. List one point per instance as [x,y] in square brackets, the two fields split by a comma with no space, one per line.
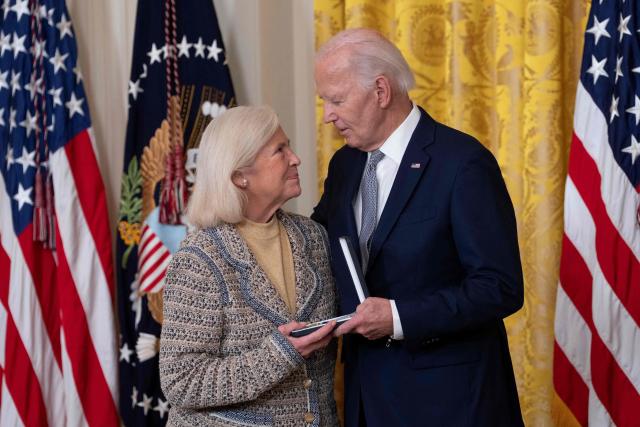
[249,275]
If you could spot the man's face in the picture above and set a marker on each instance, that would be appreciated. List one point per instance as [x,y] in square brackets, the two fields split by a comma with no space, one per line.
[352,109]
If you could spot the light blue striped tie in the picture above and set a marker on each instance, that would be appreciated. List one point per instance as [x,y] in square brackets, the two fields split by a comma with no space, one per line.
[369,194]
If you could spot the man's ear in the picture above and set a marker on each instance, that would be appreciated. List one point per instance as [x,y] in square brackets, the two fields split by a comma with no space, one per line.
[383,91]
[239,180]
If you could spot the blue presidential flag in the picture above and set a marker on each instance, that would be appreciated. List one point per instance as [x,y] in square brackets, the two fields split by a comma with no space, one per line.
[179,83]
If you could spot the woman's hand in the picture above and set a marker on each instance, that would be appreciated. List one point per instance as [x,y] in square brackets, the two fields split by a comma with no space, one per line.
[307,344]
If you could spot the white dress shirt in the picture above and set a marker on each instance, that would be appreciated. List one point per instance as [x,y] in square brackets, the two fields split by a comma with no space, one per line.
[386,170]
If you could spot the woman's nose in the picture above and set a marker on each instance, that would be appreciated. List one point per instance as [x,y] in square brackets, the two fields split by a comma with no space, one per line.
[294,160]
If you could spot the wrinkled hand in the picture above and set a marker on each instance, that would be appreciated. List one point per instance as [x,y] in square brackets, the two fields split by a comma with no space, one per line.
[307,344]
[373,320]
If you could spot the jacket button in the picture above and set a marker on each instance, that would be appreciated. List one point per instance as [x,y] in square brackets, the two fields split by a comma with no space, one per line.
[309,417]
[307,383]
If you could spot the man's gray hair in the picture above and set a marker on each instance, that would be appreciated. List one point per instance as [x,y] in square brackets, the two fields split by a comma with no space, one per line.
[230,142]
[370,55]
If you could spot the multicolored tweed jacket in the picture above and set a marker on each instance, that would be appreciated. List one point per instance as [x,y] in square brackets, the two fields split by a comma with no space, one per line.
[222,360]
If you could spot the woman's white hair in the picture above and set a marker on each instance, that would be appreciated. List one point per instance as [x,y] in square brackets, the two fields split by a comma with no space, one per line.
[370,55]
[230,142]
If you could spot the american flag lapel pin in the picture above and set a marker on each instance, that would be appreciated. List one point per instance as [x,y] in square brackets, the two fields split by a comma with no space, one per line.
[415,165]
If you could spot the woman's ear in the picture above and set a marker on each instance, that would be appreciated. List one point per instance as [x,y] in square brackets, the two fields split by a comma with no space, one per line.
[239,180]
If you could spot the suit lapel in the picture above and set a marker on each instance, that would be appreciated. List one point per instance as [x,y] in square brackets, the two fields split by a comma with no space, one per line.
[414,162]
[352,184]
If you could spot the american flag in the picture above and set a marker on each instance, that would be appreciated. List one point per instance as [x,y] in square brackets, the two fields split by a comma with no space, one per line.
[58,348]
[597,332]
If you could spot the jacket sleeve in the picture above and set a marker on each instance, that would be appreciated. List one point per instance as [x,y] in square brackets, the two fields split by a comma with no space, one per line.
[193,372]
[485,236]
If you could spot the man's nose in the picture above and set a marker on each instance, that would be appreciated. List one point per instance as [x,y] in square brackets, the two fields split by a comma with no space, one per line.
[328,115]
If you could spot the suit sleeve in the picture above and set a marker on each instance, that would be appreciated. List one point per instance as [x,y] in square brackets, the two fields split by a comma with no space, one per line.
[193,372]
[485,236]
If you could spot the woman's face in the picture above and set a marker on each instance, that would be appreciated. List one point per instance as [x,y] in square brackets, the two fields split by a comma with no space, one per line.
[273,179]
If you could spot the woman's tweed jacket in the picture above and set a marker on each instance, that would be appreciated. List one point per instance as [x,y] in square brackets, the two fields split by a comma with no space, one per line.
[222,360]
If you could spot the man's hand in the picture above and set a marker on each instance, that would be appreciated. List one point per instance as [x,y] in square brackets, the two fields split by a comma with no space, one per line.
[307,344]
[373,320]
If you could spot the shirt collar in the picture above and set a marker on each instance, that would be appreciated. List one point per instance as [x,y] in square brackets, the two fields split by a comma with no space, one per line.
[395,146]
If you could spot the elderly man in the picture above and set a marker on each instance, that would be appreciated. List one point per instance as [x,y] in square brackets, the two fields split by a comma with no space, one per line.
[428,213]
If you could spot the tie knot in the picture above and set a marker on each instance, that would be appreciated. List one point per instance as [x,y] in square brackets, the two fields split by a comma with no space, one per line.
[375,158]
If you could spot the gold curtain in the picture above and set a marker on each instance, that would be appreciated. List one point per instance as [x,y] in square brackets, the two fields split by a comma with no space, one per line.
[504,71]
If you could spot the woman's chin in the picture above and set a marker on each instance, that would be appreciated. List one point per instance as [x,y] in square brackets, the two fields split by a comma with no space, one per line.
[292,194]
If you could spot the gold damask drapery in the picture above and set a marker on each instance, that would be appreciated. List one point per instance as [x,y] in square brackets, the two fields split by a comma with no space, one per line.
[504,71]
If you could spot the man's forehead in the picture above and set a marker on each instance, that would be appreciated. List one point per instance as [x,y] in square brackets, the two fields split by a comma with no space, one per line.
[330,86]
[334,62]
[331,72]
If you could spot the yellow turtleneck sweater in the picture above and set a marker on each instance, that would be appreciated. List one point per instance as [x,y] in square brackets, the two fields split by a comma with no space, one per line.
[270,245]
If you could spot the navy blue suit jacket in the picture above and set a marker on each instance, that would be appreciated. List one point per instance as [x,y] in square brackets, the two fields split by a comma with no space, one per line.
[446,250]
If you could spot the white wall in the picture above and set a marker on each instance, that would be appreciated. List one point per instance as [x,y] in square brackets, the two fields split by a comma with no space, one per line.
[270,52]
[270,47]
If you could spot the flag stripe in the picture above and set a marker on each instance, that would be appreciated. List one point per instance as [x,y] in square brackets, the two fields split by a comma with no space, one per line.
[23,383]
[616,259]
[86,269]
[159,265]
[582,233]
[147,257]
[617,330]
[4,326]
[145,238]
[25,315]
[614,389]
[92,388]
[570,387]
[8,413]
[577,347]
[619,195]
[42,269]
[577,344]
[90,192]
[73,404]
[598,415]
[604,370]
[576,280]
[3,336]
[157,284]
[5,266]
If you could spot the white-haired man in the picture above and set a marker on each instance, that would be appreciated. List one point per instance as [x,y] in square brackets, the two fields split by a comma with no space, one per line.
[434,228]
